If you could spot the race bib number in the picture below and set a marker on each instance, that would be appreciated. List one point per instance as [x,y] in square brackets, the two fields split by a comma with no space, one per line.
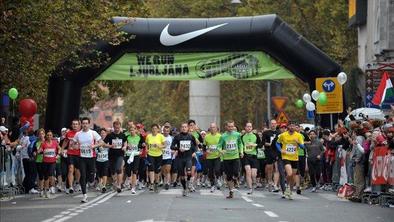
[102,156]
[50,153]
[212,147]
[249,147]
[260,154]
[86,150]
[291,148]
[117,143]
[167,154]
[131,149]
[185,145]
[231,145]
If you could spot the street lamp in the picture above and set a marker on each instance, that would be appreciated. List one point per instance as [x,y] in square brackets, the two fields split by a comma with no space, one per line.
[235,4]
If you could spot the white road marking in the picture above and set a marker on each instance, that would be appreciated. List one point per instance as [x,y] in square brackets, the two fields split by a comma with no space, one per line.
[49,220]
[79,211]
[89,195]
[271,214]
[106,198]
[58,216]
[258,205]
[63,219]
[247,199]
[74,214]
[254,194]
[129,201]
[171,192]
[65,212]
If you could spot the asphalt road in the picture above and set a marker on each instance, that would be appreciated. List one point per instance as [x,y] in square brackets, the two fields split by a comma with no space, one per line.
[199,206]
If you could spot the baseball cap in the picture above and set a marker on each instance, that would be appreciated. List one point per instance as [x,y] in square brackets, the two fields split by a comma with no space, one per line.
[3,129]
[64,129]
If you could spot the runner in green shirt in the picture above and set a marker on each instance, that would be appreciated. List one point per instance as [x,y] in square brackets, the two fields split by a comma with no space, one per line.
[231,147]
[211,142]
[251,142]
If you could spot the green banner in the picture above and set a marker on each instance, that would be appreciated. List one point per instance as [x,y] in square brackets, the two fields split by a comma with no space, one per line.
[193,66]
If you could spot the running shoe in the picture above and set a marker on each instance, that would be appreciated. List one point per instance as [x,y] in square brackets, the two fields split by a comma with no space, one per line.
[133,191]
[33,191]
[213,188]
[103,189]
[84,198]
[230,195]
[298,191]
[167,186]
[250,192]
[184,193]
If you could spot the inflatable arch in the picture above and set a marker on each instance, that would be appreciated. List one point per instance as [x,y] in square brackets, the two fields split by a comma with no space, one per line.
[268,34]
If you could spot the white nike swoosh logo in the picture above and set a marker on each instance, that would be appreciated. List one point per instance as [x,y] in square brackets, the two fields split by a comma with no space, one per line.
[170,40]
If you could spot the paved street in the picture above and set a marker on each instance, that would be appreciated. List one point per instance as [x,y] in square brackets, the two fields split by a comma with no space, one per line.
[199,206]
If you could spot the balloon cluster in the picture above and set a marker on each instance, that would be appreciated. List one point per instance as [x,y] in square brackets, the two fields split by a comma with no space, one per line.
[27,108]
[320,97]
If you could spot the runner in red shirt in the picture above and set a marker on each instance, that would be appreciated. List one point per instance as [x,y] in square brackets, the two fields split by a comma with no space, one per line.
[72,155]
[50,150]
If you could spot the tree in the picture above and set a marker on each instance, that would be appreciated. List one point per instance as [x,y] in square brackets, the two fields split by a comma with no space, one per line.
[36,36]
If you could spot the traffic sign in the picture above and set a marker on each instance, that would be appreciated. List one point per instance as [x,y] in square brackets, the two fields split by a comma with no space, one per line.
[333,90]
[282,118]
[279,102]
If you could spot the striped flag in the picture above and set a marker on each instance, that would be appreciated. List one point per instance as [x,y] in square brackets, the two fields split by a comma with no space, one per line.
[385,90]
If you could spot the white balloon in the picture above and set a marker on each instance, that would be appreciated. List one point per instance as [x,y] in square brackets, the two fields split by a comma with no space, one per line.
[306,98]
[342,78]
[315,95]
[310,106]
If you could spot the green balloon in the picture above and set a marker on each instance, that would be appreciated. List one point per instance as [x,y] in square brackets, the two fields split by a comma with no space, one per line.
[323,98]
[299,103]
[13,93]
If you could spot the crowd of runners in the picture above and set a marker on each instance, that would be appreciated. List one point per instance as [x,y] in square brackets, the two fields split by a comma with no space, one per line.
[162,157]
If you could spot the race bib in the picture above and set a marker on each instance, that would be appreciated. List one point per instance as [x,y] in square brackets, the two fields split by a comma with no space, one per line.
[86,150]
[248,147]
[117,143]
[50,153]
[291,148]
[260,153]
[102,156]
[212,147]
[131,149]
[231,145]
[185,145]
[167,154]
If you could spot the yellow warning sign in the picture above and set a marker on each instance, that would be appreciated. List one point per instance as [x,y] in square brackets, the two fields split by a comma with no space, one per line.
[282,118]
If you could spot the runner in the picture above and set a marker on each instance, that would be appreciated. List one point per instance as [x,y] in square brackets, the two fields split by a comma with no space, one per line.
[185,146]
[87,140]
[167,158]
[261,164]
[102,163]
[231,147]
[193,129]
[132,156]
[155,142]
[117,143]
[50,150]
[251,142]
[211,142]
[299,177]
[38,157]
[72,156]
[288,144]
[271,153]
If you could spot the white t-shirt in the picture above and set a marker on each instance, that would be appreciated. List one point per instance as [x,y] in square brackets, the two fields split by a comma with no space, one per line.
[167,149]
[86,140]
[25,142]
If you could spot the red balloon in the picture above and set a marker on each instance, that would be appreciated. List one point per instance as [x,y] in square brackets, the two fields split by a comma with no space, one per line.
[27,107]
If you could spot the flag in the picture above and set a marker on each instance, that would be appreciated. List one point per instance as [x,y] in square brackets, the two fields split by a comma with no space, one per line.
[385,90]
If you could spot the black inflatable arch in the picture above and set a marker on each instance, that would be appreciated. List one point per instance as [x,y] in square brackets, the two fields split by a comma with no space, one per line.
[266,33]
